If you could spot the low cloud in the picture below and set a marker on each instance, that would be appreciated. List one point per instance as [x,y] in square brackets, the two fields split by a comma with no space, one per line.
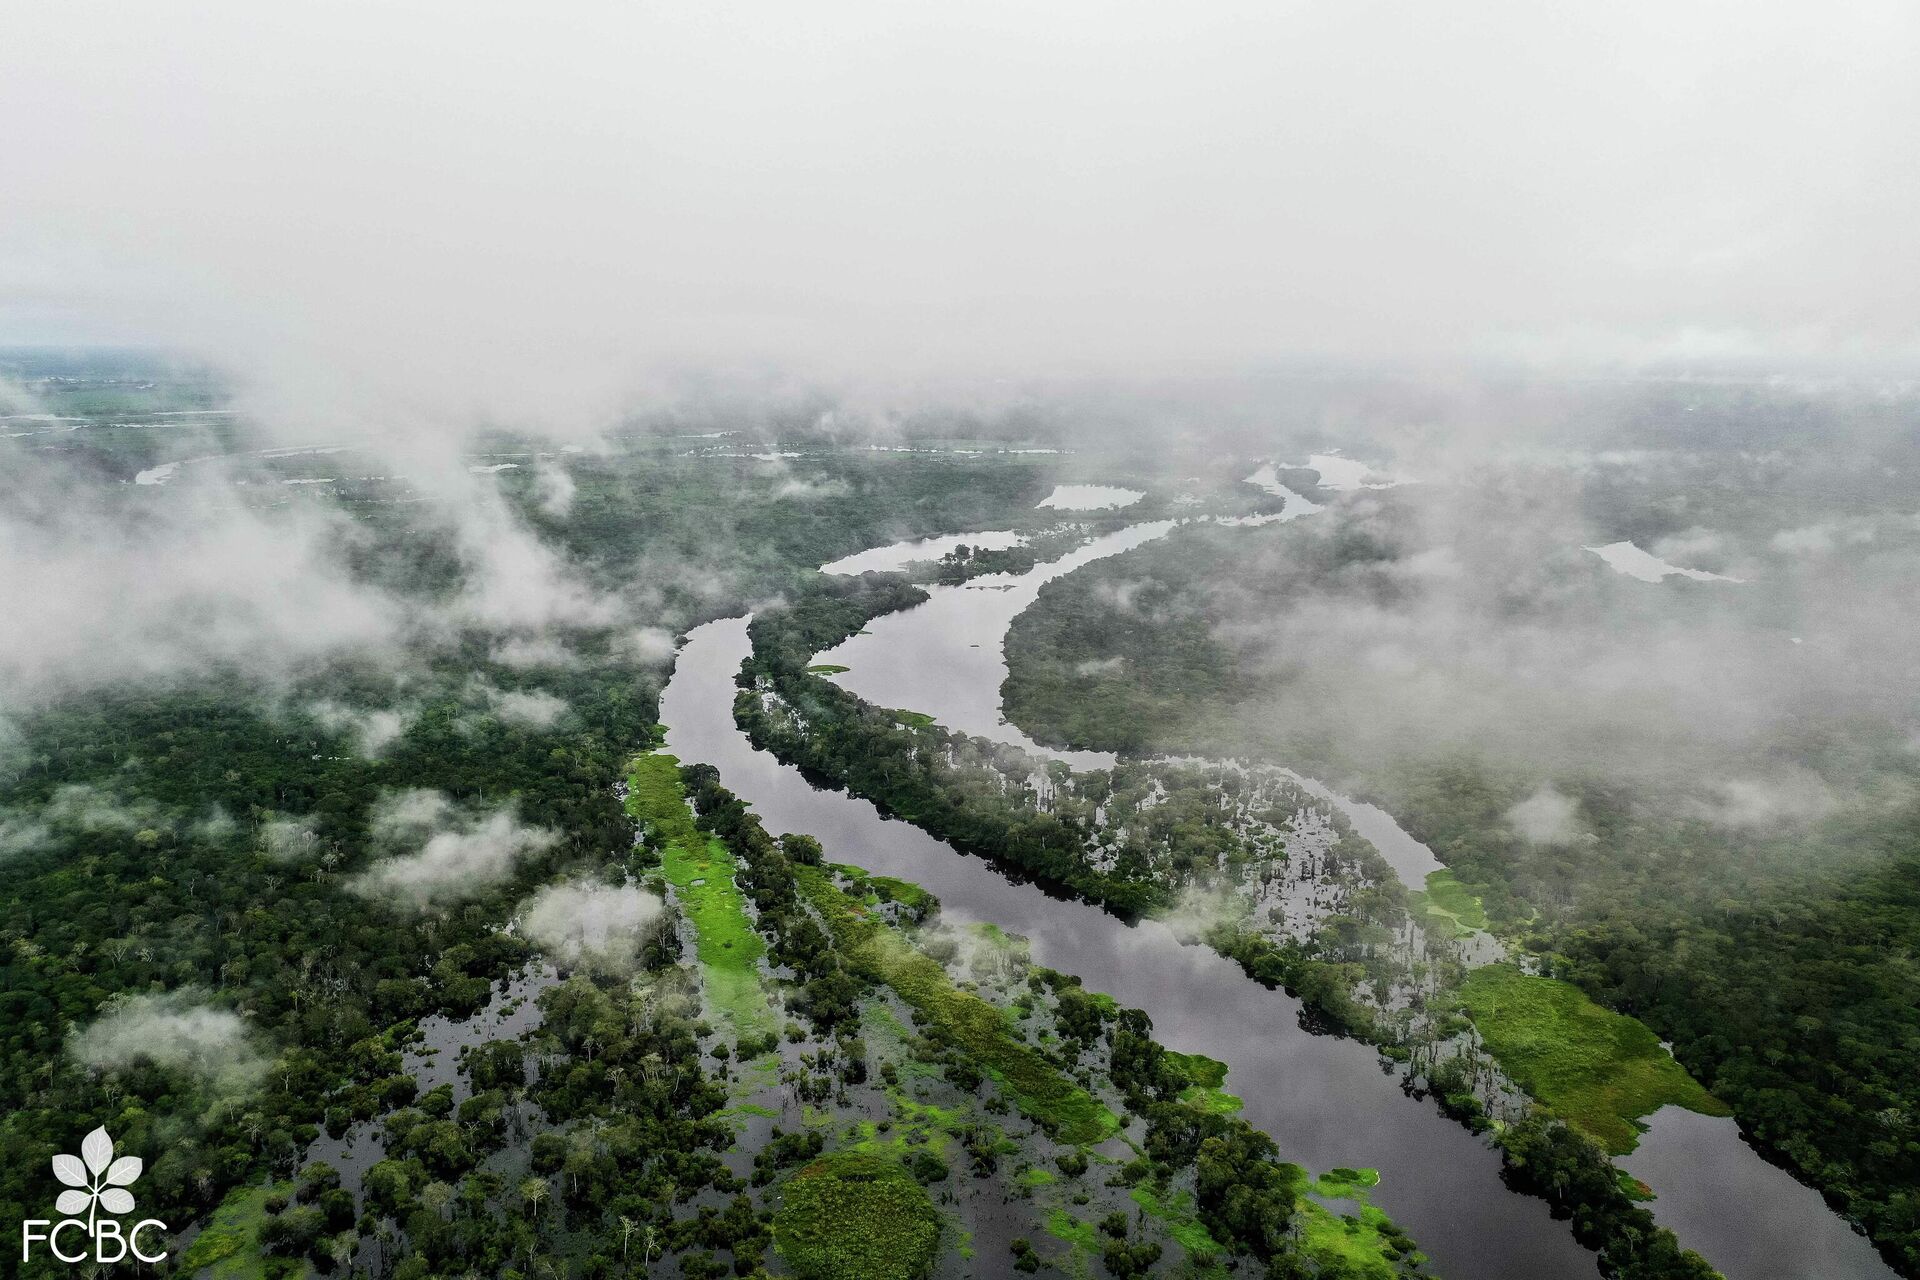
[373,730]
[648,645]
[1547,817]
[452,854]
[553,490]
[287,839]
[108,593]
[533,710]
[1793,797]
[177,1029]
[593,926]
[524,653]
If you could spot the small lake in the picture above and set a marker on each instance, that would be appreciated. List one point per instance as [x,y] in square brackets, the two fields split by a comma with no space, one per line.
[898,555]
[1624,557]
[1090,497]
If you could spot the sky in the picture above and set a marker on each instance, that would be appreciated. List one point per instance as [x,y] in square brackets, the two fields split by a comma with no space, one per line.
[482,210]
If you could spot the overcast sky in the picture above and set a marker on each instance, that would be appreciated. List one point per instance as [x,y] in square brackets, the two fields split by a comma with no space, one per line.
[479,204]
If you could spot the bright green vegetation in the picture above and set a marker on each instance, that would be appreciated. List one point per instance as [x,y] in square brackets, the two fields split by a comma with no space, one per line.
[1208,1073]
[1177,1212]
[827,669]
[856,1217]
[913,719]
[1040,1090]
[1450,904]
[230,1242]
[1595,1068]
[701,871]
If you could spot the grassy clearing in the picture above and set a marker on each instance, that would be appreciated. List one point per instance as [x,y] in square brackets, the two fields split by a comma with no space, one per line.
[230,1242]
[1595,1068]
[1365,1244]
[1178,1214]
[856,1217]
[701,872]
[1042,1093]
[912,719]
[827,669]
[1450,905]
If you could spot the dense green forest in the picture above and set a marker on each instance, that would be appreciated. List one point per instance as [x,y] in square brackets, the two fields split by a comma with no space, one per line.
[1776,961]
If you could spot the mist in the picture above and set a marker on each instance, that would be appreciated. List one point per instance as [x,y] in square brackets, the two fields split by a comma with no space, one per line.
[409,219]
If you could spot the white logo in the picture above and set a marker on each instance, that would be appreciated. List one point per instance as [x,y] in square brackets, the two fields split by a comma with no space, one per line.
[98,1183]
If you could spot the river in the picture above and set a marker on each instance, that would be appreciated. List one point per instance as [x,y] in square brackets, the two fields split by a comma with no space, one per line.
[1326,1101]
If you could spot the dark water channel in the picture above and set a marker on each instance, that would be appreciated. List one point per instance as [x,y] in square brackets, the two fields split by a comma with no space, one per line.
[1326,1101]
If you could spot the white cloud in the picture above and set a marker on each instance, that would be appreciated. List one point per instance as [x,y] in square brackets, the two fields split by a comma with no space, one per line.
[453,854]
[597,926]
[1547,817]
[177,1029]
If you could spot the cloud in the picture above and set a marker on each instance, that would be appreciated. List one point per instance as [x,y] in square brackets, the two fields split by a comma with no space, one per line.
[1787,797]
[825,189]
[599,927]
[648,645]
[553,490]
[535,709]
[526,653]
[177,1029]
[286,839]
[373,729]
[22,832]
[155,591]
[1547,817]
[452,854]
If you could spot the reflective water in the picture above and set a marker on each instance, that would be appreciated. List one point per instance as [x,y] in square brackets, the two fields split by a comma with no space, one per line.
[1705,1174]
[1326,1101]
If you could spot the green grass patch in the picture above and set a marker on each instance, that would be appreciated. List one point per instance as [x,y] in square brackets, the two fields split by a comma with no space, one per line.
[1177,1214]
[1063,1226]
[1594,1068]
[1364,1245]
[912,719]
[1450,905]
[1344,1183]
[1213,1101]
[1207,1073]
[230,1242]
[852,1216]
[1042,1093]
[701,871]
[827,669]
[1632,1187]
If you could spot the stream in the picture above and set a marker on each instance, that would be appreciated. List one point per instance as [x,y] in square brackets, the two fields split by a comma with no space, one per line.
[1326,1101]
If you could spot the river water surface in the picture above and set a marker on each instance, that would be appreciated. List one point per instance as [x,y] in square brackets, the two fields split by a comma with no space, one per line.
[1324,1100]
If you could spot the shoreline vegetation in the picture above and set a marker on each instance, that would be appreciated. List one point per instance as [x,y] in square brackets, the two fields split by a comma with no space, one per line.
[1760,952]
[976,795]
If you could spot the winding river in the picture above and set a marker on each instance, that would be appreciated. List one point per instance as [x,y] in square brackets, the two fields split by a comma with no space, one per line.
[1324,1100]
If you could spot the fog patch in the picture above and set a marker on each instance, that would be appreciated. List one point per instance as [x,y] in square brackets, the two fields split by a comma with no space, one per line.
[373,730]
[593,926]
[532,710]
[553,490]
[177,1029]
[1547,817]
[286,839]
[452,853]
[525,653]
[648,645]
[1792,797]
[112,594]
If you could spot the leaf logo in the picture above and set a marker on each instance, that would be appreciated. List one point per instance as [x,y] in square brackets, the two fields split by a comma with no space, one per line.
[97,1178]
